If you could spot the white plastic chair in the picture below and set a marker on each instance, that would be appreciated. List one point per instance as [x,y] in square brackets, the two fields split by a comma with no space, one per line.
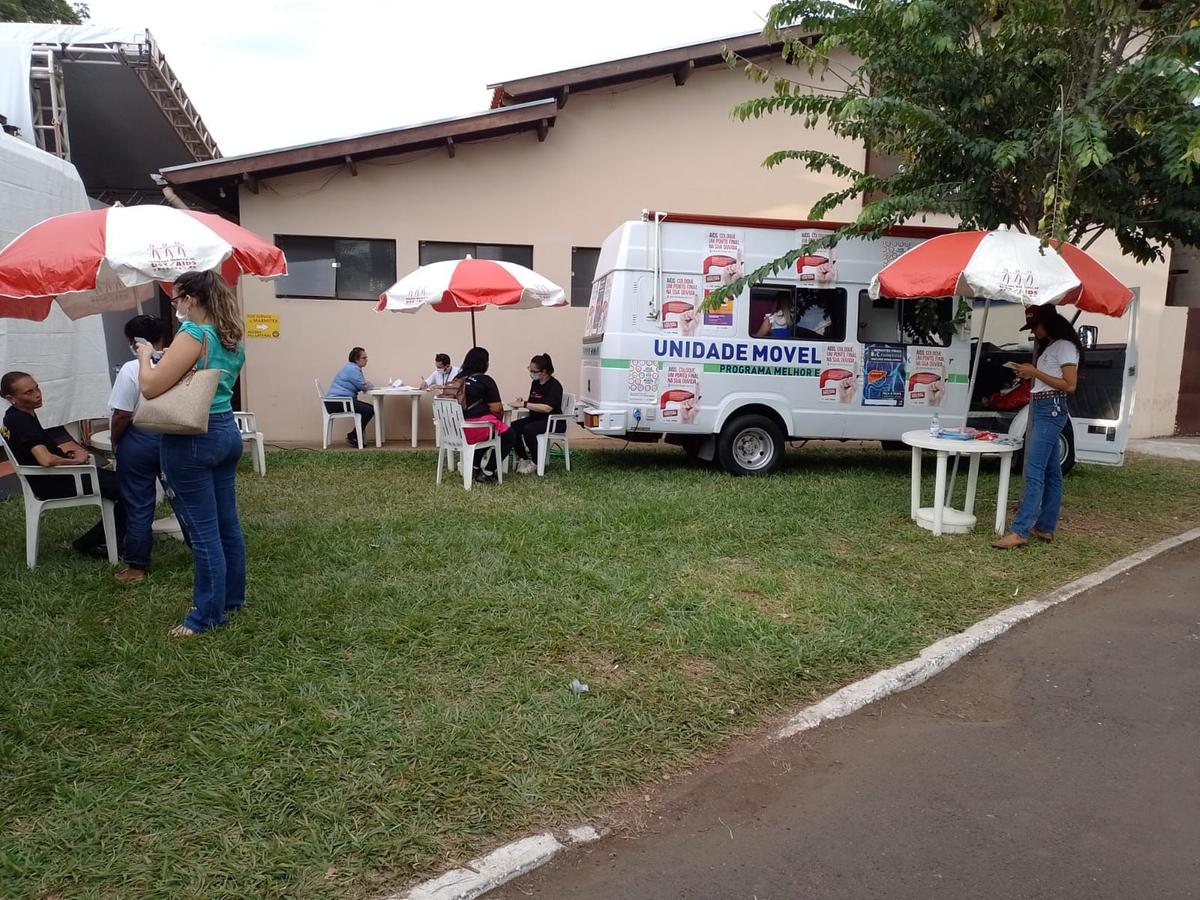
[550,438]
[35,507]
[247,425]
[327,417]
[452,439]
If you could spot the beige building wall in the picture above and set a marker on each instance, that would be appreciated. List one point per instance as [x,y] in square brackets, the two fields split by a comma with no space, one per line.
[610,155]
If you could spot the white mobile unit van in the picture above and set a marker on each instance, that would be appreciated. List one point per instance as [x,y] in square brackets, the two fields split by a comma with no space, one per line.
[803,355]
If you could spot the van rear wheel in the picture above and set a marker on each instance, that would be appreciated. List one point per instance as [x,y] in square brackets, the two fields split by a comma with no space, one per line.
[750,445]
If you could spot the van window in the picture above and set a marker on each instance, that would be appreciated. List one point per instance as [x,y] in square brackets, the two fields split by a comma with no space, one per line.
[888,321]
[786,313]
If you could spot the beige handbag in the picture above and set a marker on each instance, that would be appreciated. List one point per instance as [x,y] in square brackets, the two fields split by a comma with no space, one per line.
[184,408]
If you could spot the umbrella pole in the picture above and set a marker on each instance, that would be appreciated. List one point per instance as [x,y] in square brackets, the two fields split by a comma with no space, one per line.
[474,341]
[987,305]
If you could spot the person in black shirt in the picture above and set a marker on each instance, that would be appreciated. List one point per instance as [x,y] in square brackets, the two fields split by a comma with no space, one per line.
[481,400]
[32,445]
[545,400]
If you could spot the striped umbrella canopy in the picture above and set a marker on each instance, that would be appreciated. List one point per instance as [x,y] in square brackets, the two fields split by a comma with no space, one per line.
[469,285]
[1003,265]
[106,259]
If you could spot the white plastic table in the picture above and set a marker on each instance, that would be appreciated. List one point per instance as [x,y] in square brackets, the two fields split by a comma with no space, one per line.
[939,518]
[167,525]
[414,401]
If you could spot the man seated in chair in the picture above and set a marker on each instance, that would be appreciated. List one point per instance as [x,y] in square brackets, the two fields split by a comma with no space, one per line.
[348,383]
[32,445]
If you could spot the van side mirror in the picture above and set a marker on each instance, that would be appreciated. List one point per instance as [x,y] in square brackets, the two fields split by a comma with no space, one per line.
[1089,336]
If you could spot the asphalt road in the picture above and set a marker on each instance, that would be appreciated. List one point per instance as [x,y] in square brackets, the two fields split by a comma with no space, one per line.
[1060,761]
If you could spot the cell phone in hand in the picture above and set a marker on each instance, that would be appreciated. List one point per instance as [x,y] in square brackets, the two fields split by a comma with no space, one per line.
[1010,365]
[140,340]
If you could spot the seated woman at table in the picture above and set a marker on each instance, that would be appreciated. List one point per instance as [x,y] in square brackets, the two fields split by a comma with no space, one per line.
[349,383]
[32,445]
[442,375]
[545,400]
[481,402]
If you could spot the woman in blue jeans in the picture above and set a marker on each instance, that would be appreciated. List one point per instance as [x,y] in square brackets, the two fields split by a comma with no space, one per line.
[201,468]
[1054,379]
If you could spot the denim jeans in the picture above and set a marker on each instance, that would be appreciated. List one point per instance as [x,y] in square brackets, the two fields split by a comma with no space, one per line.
[1043,471]
[527,431]
[138,468]
[201,470]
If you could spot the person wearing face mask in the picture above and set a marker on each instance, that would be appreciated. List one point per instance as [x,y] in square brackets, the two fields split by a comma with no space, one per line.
[137,451]
[33,445]
[201,469]
[443,373]
[544,400]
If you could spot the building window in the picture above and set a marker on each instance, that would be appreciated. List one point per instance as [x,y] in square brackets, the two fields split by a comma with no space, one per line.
[798,314]
[583,273]
[330,268]
[441,251]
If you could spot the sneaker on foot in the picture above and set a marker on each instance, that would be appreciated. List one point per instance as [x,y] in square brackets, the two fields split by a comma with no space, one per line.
[526,467]
[1010,541]
[131,575]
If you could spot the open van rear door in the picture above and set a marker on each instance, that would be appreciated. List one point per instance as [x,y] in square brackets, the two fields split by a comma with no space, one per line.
[1102,406]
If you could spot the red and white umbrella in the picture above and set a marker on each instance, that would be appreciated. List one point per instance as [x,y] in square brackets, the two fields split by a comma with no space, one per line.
[107,259]
[1003,265]
[467,285]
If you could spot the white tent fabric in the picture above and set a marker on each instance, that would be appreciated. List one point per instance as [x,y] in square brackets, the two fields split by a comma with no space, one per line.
[15,104]
[16,48]
[68,358]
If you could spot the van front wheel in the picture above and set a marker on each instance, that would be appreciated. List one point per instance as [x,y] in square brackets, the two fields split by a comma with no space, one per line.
[750,445]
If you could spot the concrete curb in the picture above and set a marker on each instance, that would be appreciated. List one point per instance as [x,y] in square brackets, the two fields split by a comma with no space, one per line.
[522,856]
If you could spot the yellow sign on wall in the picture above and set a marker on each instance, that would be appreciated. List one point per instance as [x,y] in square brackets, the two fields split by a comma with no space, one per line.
[262,325]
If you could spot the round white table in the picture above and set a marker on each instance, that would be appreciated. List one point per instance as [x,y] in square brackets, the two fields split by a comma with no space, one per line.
[167,526]
[940,518]
[378,394]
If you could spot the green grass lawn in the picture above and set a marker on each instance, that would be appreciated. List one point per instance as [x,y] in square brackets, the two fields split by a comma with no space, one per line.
[396,692]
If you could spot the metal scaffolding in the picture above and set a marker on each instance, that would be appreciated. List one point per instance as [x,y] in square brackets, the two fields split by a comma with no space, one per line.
[145,59]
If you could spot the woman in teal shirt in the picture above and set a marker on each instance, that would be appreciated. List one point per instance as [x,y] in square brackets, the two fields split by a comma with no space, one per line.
[201,469]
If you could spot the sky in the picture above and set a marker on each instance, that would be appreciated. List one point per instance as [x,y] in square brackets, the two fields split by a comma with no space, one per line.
[270,73]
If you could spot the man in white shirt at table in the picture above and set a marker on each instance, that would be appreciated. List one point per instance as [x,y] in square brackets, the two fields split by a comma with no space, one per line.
[443,373]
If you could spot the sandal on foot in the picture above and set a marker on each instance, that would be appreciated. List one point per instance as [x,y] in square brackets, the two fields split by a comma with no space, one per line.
[1046,536]
[181,631]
